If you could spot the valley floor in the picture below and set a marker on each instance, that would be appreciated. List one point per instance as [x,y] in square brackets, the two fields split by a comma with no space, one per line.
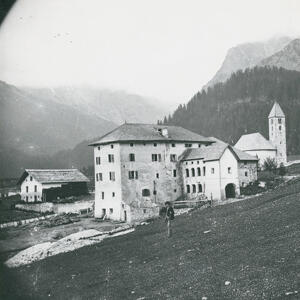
[243,250]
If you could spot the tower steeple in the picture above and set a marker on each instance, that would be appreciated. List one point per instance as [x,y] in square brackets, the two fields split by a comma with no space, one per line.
[277,132]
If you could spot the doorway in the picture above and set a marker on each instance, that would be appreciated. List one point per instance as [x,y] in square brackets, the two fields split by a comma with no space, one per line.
[230,190]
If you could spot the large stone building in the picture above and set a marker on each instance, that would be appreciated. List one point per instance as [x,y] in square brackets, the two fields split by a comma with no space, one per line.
[257,145]
[140,166]
[39,185]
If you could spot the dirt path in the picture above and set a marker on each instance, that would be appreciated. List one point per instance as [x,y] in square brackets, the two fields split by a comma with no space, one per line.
[15,239]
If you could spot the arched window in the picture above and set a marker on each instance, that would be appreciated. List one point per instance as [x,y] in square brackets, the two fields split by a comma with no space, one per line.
[194,188]
[145,192]
[199,188]
[188,189]
[193,172]
[187,172]
[199,171]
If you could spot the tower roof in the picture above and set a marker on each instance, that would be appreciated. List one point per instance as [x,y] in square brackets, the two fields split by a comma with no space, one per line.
[276,111]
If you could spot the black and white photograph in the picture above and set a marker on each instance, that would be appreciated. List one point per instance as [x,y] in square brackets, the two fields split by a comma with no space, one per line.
[150,149]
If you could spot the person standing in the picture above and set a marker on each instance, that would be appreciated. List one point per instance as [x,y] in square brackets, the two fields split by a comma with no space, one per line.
[169,217]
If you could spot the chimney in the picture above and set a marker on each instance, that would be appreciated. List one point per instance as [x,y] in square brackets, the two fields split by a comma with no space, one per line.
[164,132]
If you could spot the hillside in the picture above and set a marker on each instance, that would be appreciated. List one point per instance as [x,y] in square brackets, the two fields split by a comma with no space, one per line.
[247,55]
[115,106]
[242,104]
[253,245]
[41,126]
[46,128]
[288,58]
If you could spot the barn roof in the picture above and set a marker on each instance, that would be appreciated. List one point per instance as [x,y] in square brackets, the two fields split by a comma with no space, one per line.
[54,175]
[254,141]
[133,132]
[276,111]
[215,152]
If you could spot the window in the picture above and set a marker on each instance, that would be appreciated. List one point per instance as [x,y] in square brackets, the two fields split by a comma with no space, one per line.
[229,170]
[99,148]
[192,162]
[98,160]
[175,191]
[102,195]
[187,172]
[144,210]
[26,189]
[111,210]
[30,178]
[154,193]
[173,145]
[279,127]
[131,145]
[188,145]
[246,173]
[155,145]
[27,198]
[133,174]
[174,173]
[123,205]
[204,170]
[271,121]
[199,171]
[173,157]
[111,158]
[35,198]
[156,157]
[113,194]
[35,188]
[145,192]
[197,162]
[199,188]
[188,189]
[212,170]
[279,121]
[99,177]
[112,146]
[112,176]
[157,175]
[131,157]
[193,172]
[194,188]
[199,145]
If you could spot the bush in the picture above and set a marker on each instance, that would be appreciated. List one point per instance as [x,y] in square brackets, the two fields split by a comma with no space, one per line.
[266,176]
[252,189]
[270,164]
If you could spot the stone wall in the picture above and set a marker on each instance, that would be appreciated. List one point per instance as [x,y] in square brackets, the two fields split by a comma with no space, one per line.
[57,208]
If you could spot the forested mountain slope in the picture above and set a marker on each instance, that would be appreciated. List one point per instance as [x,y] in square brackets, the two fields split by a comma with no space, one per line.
[242,104]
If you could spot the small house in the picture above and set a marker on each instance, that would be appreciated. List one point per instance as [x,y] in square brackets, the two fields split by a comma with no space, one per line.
[39,185]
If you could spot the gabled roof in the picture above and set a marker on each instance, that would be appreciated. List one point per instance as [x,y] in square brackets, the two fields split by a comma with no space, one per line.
[54,176]
[253,141]
[215,152]
[276,111]
[129,132]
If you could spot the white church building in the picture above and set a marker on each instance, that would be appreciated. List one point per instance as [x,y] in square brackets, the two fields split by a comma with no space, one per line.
[257,145]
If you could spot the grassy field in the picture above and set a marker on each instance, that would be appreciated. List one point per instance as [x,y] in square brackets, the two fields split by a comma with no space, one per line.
[8,214]
[253,244]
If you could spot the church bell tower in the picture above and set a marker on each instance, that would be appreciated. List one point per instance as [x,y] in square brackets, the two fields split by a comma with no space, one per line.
[277,132]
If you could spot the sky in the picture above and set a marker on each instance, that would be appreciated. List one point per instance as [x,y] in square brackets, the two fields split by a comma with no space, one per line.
[165,49]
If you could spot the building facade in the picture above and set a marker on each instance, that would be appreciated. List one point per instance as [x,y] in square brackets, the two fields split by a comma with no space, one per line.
[217,171]
[139,166]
